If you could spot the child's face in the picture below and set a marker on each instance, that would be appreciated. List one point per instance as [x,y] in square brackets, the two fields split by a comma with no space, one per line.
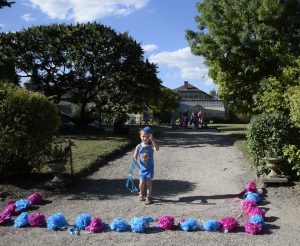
[145,137]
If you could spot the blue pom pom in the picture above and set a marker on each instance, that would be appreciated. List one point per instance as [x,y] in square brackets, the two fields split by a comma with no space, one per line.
[22,205]
[140,224]
[257,219]
[56,221]
[83,220]
[211,225]
[189,225]
[252,196]
[22,220]
[119,225]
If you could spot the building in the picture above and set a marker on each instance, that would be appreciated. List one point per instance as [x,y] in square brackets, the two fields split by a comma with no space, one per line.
[194,100]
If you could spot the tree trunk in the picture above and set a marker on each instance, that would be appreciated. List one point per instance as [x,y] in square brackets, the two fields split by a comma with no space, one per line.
[81,119]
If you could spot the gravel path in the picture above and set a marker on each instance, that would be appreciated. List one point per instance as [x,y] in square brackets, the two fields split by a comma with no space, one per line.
[196,174]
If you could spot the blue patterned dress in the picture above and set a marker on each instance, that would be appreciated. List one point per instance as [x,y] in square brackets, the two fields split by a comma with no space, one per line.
[146,162]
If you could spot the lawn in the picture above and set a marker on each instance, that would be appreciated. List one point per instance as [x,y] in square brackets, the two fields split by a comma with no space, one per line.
[91,150]
[231,128]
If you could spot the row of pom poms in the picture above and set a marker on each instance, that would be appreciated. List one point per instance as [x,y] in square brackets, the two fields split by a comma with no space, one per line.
[19,206]
[255,214]
[137,224]
[254,225]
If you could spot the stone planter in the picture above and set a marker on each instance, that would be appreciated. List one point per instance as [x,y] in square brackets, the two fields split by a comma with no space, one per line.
[274,163]
[57,168]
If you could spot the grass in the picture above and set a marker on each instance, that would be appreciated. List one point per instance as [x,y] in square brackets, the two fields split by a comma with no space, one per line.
[230,128]
[91,150]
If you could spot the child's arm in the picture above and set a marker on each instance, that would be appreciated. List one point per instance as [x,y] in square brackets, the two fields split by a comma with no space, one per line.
[135,155]
[154,143]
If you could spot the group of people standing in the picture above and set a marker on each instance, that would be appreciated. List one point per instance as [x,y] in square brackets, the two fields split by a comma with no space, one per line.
[196,119]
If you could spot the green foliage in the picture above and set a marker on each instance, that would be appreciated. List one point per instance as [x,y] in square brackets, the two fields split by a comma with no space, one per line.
[245,42]
[5,3]
[294,104]
[267,134]
[59,149]
[28,122]
[292,154]
[275,93]
[90,62]
[163,104]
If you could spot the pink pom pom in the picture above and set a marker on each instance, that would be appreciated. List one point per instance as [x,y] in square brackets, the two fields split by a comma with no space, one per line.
[257,210]
[35,198]
[251,187]
[165,222]
[253,228]
[37,220]
[10,208]
[248,205]
[229,224]
[4,217]
[96,225]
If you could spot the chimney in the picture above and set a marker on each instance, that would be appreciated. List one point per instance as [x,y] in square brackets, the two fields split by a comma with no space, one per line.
[186,84]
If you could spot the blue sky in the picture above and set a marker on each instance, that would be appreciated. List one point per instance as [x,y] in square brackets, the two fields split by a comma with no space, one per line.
[159,25]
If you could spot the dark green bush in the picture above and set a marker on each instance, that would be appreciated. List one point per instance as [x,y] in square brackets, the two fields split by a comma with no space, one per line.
[28,122]
[267,134]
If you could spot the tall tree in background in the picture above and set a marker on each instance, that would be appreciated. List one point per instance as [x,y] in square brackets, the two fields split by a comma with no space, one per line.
[5,3]
[83,61]
[244,42]
[164,104]
[7,60]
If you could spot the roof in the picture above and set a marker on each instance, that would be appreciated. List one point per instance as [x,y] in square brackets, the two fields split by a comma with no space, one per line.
[190,88]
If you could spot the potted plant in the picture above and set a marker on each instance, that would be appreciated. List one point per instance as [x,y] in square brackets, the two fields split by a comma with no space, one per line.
[274,162]
[58,155]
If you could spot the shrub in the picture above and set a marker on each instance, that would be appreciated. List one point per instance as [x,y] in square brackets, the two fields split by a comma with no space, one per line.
[28,122]
[294,103]
[267,134]
[292,154]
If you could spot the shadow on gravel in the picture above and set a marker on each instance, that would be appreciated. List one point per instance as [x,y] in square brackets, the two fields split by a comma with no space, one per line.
[269,227]
[106,188]
[197,138]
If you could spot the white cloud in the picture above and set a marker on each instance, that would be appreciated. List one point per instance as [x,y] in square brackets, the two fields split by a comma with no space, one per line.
[149,47]
[190,66]
[209,81]
[27,17]
[83,10]
[2,25]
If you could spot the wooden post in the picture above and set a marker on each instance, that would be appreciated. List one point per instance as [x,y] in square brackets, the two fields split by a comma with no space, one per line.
[71,158]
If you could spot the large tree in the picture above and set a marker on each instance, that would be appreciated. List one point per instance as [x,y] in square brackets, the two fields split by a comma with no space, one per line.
[5,3]
[82,61]
[244,42]
[7,61]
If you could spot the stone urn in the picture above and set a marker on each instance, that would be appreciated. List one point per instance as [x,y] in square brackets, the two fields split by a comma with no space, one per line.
[274,164]
[57,167]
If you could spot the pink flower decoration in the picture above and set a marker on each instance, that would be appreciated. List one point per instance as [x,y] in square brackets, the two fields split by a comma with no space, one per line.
[96,225]
[248,205]
[10,208]
[253,228]
[251,187]
[257,210]
[35,198]
[4,217]
[165,222]
[229,224]
[37,220]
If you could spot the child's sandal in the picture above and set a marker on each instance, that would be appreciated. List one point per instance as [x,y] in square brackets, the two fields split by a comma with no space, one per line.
[141,197]
[148,200]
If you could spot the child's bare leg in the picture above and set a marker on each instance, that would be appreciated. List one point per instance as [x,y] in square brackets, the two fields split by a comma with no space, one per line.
[142,188]
[149,191]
